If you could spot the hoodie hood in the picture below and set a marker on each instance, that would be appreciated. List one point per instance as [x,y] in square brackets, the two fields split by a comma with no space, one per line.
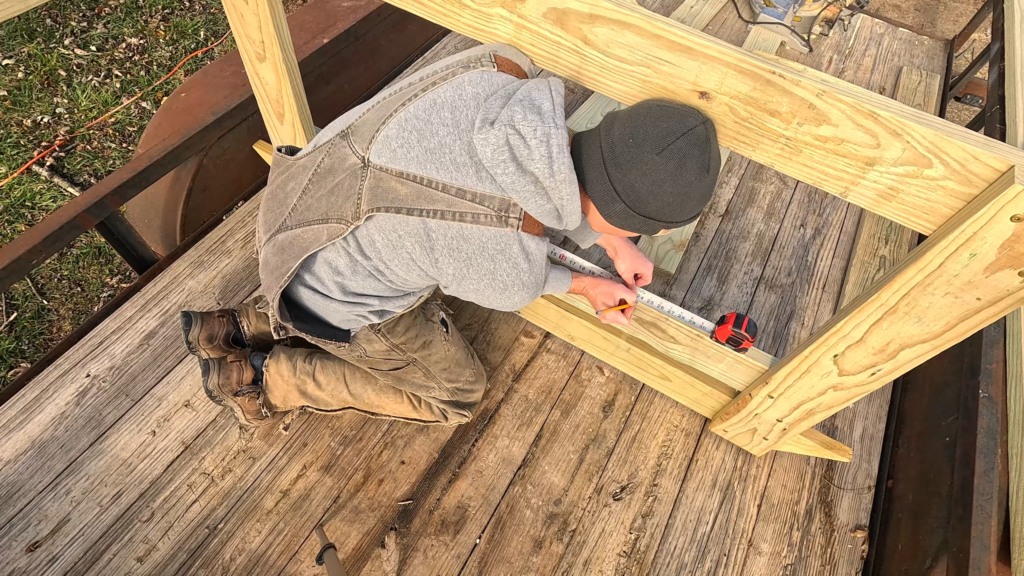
[521,139]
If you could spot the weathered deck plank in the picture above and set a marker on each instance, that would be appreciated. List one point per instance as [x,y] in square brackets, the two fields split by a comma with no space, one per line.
[409,457]
[441,533]
[542,508]
[641,487]
[42,430]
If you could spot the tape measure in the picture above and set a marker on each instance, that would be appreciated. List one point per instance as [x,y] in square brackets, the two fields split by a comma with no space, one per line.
[574,262]
[725,336]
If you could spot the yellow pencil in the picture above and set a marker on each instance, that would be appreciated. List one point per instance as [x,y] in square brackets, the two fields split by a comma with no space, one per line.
[613,308]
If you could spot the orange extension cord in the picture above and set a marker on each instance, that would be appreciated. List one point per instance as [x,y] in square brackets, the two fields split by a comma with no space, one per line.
[60,142]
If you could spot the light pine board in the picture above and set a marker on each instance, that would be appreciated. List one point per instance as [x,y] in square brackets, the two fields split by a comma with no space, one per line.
[970,265]
[1015,435]
[1013,76]
[11,8]
[896,161]
[260,30]
[1013,44]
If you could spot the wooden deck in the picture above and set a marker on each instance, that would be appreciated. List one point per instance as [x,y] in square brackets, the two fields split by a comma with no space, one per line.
[113,461]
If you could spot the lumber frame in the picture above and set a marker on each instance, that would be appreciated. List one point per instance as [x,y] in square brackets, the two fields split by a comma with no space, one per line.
[663,353]
[889,158]
[964,277]
[901,163]
[671,357]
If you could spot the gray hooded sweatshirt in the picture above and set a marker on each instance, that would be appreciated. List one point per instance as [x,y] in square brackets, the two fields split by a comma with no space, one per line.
[487,131]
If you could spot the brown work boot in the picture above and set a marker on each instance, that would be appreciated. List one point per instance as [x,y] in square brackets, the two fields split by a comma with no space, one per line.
[230,383]
[215,334]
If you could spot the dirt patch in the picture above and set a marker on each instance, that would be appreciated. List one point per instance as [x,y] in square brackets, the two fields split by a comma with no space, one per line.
[943,18]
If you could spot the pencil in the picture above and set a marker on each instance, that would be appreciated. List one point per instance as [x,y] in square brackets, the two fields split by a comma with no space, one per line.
[613,308]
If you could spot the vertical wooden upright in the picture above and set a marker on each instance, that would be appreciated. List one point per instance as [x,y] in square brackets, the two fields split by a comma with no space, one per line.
[261,33]
[1013,45]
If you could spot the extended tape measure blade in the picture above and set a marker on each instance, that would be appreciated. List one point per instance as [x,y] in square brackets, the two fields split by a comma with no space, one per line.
[574,262]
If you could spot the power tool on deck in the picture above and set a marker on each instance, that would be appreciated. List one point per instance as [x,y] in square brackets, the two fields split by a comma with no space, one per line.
[797,21]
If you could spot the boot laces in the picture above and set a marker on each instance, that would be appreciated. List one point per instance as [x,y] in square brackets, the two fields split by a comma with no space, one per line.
[248,390]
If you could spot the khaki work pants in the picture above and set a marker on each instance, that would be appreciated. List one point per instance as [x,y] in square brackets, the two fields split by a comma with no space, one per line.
[415,367]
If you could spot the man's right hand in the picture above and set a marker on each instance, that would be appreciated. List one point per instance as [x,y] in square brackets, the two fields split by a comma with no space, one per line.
[602,294]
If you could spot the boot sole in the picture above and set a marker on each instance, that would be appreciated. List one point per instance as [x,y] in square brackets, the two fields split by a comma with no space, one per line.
[187,324]
[217,398]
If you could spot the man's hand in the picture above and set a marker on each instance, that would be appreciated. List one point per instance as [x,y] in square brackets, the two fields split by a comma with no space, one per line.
[632,265]
[602,294]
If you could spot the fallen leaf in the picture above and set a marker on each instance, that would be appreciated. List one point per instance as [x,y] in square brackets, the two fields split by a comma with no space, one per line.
[18,371]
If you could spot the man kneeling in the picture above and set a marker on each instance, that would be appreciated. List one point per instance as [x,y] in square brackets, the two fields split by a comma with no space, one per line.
[447,180]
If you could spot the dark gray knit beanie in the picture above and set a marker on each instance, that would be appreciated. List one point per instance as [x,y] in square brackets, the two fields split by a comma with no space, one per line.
[649,167]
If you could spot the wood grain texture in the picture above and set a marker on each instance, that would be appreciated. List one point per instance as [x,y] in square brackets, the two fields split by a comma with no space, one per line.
[275,513]
[543,506]
[680,362]
[1015,435]
[967,271]
[1013,46]
[909,166]
[1013,78]
[265,44]
[139,447]
[51,423]
[881,243]
[693,13]
[457,510]
[625,519]
[264,149]
[11,8]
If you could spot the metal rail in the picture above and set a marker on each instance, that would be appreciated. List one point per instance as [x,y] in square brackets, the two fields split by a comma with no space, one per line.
[986,95]
[99,206]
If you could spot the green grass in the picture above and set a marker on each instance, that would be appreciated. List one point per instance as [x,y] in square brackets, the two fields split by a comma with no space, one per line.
[65,64]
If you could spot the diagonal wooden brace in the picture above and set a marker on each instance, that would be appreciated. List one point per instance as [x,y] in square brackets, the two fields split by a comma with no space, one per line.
[968,274]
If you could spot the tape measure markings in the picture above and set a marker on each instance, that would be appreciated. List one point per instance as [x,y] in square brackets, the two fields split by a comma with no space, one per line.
[574,262]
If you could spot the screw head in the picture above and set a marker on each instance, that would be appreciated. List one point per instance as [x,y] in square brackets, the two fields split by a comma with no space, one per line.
[1017,218]
[1021,273]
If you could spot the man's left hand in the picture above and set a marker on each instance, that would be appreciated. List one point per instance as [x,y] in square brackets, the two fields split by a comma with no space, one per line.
[632,265]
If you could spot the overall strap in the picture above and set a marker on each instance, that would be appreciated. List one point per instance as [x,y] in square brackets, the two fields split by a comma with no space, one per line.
[364,130]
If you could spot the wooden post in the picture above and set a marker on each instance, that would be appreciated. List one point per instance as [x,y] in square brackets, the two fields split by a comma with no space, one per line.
[1013,76]
[965,276]
[261,33]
